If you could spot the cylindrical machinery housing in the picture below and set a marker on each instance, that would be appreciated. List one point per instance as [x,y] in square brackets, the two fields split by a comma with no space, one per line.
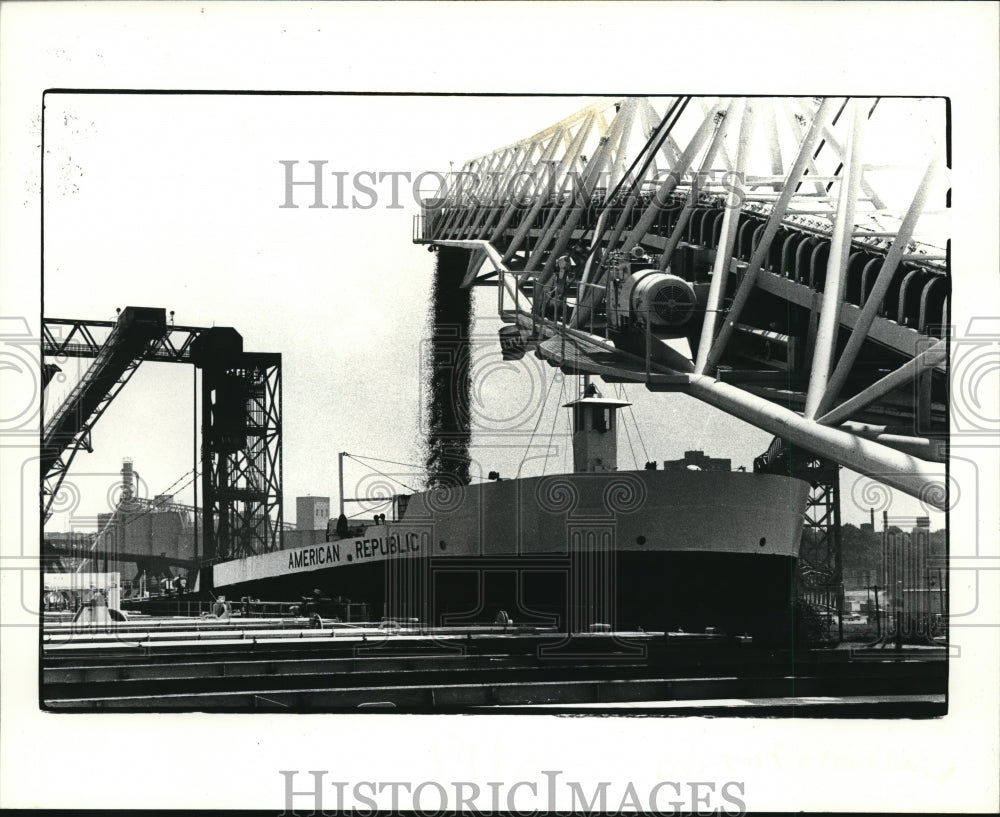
[668,301]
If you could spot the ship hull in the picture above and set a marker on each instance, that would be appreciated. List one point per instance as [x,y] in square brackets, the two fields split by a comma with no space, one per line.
[735,594]
[657,550]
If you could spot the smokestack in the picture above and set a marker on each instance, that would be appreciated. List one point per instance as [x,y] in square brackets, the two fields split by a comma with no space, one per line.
[128,483]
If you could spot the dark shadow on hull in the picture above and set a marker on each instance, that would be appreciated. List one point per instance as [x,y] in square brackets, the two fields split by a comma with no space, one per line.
[733,593]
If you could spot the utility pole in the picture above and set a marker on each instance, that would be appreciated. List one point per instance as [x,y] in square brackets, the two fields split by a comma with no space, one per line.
[340,472]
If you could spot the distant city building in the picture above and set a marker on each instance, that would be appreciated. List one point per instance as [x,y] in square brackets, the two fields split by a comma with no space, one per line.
[312,512]
[697,459]
[70,539]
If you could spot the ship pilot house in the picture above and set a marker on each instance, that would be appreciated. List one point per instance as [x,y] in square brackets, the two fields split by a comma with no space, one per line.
[595,431]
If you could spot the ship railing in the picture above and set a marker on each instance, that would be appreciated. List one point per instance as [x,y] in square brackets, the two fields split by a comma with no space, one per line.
[156,604]
[346,611]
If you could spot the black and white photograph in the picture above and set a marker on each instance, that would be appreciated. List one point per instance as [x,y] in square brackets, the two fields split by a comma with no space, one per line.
[612,432]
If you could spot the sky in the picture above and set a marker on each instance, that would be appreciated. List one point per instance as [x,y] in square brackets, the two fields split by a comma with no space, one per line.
[175,201]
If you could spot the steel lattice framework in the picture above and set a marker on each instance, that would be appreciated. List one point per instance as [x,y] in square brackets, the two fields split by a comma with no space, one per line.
[785,260]
[68,428]
[241,420]
[241,457]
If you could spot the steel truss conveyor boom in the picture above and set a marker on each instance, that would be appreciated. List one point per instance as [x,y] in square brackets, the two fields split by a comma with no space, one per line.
[68,430]
[757,231]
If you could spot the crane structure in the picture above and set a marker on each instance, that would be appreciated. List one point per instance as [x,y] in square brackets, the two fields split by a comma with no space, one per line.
[68,429]
[240,465]
[782,259]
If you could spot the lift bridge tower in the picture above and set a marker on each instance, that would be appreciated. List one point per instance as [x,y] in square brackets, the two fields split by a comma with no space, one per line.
[785,260]
[240,463]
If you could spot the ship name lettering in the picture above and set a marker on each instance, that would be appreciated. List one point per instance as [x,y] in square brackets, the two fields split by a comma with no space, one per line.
[386,546]
[310,557]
